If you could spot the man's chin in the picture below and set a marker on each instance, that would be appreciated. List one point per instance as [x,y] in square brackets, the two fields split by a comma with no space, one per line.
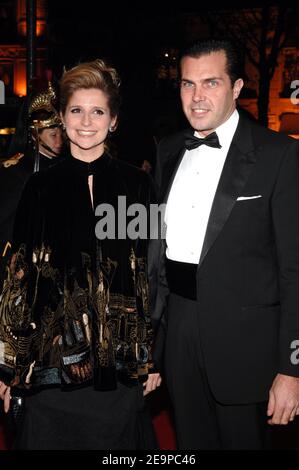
[200,125]
[203,129]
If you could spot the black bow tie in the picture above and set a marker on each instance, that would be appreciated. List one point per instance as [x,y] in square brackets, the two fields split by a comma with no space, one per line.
[192,142]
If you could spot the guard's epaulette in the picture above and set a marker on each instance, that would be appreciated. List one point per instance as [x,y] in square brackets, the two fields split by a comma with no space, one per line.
[14,160]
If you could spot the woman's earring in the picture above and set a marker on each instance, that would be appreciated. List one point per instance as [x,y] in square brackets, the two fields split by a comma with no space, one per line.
[111,129]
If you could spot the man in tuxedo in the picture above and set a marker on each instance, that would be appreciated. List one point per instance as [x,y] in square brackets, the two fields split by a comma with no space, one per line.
[226,276]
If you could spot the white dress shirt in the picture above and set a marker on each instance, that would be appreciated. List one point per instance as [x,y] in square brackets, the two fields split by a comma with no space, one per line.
[192,193]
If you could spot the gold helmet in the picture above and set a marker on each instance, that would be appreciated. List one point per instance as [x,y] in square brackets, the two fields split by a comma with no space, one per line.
[42,113]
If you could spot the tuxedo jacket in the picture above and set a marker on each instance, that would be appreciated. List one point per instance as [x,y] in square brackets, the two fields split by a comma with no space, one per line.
[248,272]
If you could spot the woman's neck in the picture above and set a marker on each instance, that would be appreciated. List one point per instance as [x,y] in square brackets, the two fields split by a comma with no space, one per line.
[87,156]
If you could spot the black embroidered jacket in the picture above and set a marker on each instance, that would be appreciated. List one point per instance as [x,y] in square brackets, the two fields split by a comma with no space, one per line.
[74,309]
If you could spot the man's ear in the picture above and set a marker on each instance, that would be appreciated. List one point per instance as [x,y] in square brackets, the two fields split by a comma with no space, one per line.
[238,85]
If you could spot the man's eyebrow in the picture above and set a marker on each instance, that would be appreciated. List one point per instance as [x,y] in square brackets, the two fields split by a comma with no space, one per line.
[202,80]
[211,78]
[186,80]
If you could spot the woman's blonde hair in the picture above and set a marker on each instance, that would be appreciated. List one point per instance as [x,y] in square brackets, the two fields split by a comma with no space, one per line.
[95,74]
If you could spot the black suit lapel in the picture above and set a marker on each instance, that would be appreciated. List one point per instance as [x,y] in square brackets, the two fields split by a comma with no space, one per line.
[237,168]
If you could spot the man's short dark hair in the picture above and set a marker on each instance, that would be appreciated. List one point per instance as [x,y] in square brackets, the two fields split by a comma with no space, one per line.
[235,59]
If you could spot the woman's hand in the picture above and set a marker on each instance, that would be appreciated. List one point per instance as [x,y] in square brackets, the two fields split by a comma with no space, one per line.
[5,395]
[153,381]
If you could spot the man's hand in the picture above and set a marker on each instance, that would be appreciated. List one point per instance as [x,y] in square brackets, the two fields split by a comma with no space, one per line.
[283,403]
[5,395]
[153,381]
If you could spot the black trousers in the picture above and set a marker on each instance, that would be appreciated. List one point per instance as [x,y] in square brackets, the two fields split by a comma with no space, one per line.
[202,422]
